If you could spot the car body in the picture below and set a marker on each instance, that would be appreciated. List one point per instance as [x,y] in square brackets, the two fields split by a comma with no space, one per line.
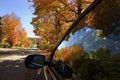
[90,48]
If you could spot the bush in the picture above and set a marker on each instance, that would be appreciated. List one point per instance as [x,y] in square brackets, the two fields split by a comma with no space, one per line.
[46,46]
[91,69]
[5,45]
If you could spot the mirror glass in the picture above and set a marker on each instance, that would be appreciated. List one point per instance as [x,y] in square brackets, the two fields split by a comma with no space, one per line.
[63,69]
[35,61]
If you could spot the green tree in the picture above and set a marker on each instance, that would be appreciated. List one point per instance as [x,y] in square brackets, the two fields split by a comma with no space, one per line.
[99,54]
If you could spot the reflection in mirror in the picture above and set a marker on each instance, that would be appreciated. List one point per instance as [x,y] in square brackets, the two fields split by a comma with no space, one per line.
[35,61]
[92,49]
[63,69]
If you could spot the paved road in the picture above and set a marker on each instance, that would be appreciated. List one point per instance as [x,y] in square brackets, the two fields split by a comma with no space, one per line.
[12,65]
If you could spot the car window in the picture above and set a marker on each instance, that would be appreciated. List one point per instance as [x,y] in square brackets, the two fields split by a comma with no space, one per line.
[92,48]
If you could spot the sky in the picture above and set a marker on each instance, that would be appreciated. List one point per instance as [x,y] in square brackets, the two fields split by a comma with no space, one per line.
[22,9]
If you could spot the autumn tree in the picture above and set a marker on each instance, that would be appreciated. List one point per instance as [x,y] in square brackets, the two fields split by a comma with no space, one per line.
[28,43]
[53,17]
[105,18]
[50,20]
[0,29]
[22,37]
[12,30]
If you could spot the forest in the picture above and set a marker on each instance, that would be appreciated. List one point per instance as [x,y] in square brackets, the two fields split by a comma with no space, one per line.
[12,34]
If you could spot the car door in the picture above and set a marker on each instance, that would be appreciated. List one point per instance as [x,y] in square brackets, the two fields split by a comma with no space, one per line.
[92,47]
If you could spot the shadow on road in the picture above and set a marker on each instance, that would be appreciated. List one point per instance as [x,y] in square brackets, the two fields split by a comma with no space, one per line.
[14,69]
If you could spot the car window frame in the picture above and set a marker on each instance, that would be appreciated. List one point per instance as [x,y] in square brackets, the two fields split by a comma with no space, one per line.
[81,16]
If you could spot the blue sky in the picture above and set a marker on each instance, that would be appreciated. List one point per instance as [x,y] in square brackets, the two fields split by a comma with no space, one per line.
[22,9]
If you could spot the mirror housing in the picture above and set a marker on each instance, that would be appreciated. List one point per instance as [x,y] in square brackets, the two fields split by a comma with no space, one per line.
[35,61]
[63,69]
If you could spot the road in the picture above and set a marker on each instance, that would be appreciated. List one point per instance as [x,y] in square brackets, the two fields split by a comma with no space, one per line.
[12,65]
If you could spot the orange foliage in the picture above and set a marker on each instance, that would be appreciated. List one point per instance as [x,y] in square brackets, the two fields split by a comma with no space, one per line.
[14,37]
[69,55]
[28,43]
[53,17]
[22,37]
[74,52]
[10,29]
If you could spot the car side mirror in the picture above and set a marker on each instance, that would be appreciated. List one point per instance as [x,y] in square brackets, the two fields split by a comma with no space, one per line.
[63,69]
[35,61]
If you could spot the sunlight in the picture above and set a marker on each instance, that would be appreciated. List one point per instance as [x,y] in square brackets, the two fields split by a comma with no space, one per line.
[12,58]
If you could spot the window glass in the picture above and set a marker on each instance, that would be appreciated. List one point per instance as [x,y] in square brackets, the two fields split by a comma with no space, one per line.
[92,49]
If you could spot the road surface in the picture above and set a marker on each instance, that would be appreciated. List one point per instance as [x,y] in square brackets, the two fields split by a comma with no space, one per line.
[12,65]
